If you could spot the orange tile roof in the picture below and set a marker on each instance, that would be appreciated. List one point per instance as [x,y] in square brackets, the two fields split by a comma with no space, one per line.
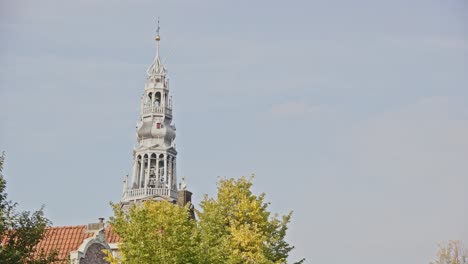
[111,236]
[65,239]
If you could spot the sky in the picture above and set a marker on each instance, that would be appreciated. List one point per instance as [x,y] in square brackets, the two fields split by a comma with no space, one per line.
[352,114]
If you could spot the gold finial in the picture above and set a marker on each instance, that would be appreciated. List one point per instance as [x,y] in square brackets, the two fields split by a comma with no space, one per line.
[157,38]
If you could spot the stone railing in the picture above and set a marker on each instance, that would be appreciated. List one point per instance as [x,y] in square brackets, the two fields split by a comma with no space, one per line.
[133,194]
[158,110]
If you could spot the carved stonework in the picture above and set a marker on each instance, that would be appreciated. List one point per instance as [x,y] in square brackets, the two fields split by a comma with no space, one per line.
[154,169]
[94,255]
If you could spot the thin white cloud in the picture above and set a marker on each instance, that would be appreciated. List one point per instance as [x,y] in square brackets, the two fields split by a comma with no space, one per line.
[415,139]
[408,174]
[431,41]
[298,109]
[446,42]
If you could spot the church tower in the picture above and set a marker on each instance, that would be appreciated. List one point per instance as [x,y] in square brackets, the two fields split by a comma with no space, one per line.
[154,174]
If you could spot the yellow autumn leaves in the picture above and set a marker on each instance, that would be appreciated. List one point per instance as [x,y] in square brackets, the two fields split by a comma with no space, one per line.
[234,227]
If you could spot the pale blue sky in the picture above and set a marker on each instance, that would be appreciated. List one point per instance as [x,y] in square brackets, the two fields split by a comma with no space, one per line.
[354,114]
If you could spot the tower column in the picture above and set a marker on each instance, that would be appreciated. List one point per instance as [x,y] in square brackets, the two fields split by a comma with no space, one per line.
[174,175]
[148,170]
[165,167]
[169,180]
[157,170]
[142,107]
[135,171]
[142,169]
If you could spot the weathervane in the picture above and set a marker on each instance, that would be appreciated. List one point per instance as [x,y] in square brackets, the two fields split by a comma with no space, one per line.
[158,38]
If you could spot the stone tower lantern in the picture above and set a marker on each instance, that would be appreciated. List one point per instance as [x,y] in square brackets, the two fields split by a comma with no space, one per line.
[154,174]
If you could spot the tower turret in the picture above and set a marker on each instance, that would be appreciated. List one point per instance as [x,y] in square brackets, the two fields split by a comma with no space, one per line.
[154,158]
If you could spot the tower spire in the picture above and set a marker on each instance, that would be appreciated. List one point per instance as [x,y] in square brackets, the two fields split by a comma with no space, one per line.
[157,38]
[154,161]
[156,68]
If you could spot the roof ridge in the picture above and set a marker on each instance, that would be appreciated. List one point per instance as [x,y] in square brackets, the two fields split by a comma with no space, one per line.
[64,227]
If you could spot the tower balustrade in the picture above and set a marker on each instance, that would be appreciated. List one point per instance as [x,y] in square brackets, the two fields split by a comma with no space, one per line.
[135,194]
[157,110]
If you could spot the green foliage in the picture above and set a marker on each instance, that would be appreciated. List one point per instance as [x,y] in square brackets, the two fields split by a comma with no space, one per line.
[155,232]
[451,253]
[20,231]
[233,228]
[237,227]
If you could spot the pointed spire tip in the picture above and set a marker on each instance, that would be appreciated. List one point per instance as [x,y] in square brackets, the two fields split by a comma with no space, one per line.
[157,38]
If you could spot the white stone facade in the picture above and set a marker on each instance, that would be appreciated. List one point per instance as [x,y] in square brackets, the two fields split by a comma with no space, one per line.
[91,250]
[154,174]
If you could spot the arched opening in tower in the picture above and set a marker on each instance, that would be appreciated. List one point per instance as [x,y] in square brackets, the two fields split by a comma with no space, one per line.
[152,174]
[145,170]
[149,100]
[161,174]
[157,99]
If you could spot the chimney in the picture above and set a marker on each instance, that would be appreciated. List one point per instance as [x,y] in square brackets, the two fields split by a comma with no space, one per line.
[93,227]
[184,197]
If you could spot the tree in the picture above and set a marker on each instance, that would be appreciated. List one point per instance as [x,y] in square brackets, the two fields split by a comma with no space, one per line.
[20,232]
[237,227]
[451,253]
[233,228]
[155,232]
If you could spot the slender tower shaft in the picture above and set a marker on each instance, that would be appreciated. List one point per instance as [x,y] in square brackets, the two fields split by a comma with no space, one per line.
[154,158]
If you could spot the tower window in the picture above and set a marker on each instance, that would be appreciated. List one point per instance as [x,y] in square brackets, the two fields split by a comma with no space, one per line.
[158,125]
[157,99]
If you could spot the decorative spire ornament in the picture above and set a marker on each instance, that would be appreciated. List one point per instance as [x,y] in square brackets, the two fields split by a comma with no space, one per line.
[156,68]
